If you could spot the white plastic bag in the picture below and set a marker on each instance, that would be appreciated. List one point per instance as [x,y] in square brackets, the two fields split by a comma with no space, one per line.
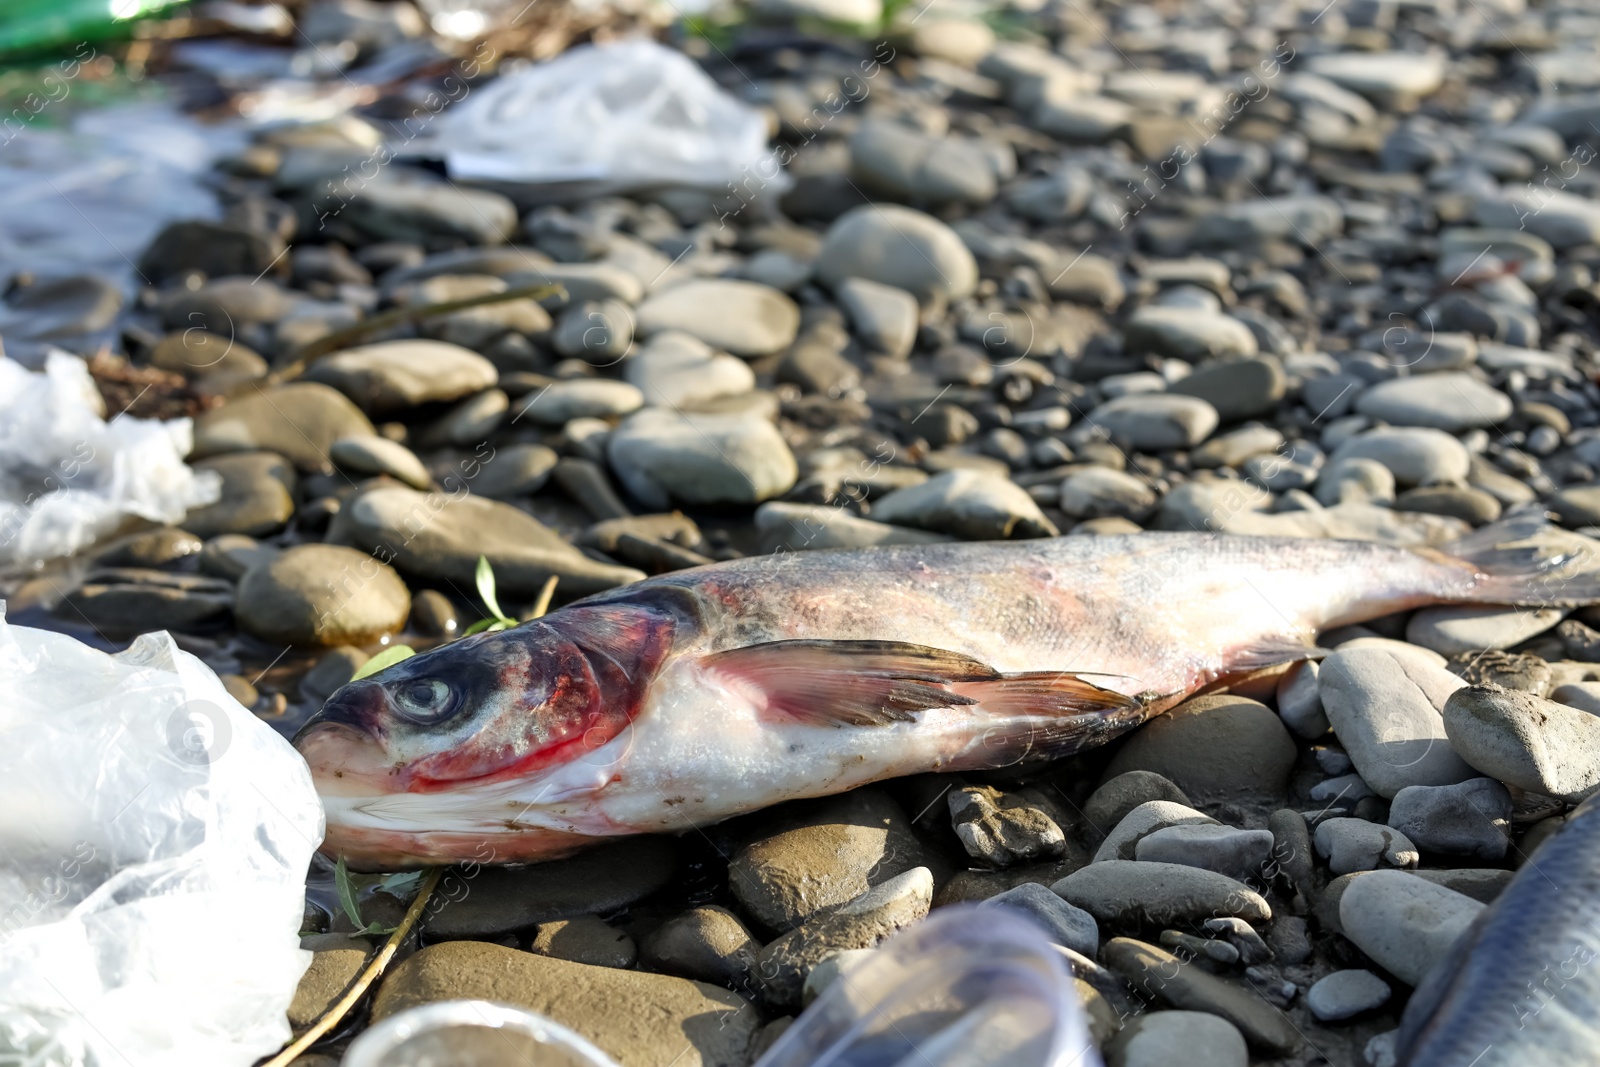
[68,477]
[628,114]
[154,839]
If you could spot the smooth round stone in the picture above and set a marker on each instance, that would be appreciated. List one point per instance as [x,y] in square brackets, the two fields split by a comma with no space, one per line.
[1382,75]
[371,454]
[195,353]
[1233,448]
[1299,705]
[1415,455]
[582,281]
[740,317]
[1154,422]
[708,944]
[1344,994]
[1351,845]
[1164,978]
[1122,842]
[1385,708]
[1471,818]
[1578,506]
[851,12]
[786,527]
[586,939]
[1467,503]
[1130,892]
[663,456]
[1452,402]
[1227,850]
[433,614]
[414,206]
[299,421]
[970,504]
[599,332]
[153,548]
[958,40]
[882,316]
[1406,924]
[582,398]
[1185,333]
[1096,492]
[1213,748]
[895,162]
[677,370]
[898,246]
[231,555]
[513,471]
[1526,741]
[394,376]
[1238,389]
[1165,1038]
[258,490]
[1113,800]
[321,595]
[1454,628]
[1069,926]
[1354,480]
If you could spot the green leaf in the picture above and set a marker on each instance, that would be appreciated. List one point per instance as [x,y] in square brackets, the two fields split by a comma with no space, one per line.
[387,658]
[347,894]
[478,627]
[485,579]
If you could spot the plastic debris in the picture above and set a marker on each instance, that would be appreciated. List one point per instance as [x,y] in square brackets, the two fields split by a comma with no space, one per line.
[68,477]
[476,1032]
[625,115]
[962,988]
[154,839]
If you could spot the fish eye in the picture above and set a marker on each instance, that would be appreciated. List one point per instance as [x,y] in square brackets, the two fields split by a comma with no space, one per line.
[425,700]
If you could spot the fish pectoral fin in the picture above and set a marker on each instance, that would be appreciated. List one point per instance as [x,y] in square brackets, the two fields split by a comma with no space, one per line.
[1050,694]
[852,683]
[1274,651]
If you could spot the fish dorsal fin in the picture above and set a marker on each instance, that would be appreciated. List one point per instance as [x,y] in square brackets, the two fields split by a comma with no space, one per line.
[875,683]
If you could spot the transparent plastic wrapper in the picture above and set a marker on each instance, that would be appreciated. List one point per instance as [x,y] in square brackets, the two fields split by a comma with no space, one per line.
[472,1033]
[68,477]
[625,115]
[967,987]
[154,839]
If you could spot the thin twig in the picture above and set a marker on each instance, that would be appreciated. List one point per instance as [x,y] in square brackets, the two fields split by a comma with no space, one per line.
[338,339]
[542,605]
[370,974]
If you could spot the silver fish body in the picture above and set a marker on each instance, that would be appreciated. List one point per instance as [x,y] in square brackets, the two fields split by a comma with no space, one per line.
[705,693]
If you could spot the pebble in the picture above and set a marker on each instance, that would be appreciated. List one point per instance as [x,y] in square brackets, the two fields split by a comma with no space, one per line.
[708,944]
[1357,845]
[1130,893]
[1237,388]
[864,922]
[1153,422]
[1414,455]
[1238,854]
[515,471]
[1117,796]
[1471,818]
[1189,334]
[794,527]
[439,538]
[1452,402]
[1300,702]
[1168,980]
[581,398]
[258,493]
[1454,629]
[1404,923]
[1002,829]
[599,332]
[676,370]
[321,595]
[393,376]
[883,317]
[969,504]
[371,454]
[299,421]
[897,246]
[1386,710]
[1526,741]
[1069,926]
[664,457]
[1214,748]
[1100,492]
[631,1016]
[1162,1038]
[825,855]
[1146,818]
[584,939]
[1346,994]
[740,317]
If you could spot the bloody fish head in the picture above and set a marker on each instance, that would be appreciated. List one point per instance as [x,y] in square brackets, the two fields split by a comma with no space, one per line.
[492,714]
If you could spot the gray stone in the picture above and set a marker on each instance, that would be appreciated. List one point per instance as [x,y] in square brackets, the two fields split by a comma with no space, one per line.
[467,423]
[900,247]
[258,490]
[737,316]
[676,370]
[1415,455]
[1190,334]
[434,214]
[1357,845]
[1452,402]
[1470,819]
[1214,748]
[1069,926]
[581,398]
[393,376]
[1386,77]
[1233,448]
[1564,219]
[1239,854]
[1307,220]
[1354,480]
[1153,422]
[582,281]
[1386,710]
[1526,741]
[513,471]
[1143,819]
[861,923]
[585,939]
[321,595]
[1097,492]
[882,316]
[666,456]
[439,537]
[969,504]
[1453,629]
[708,944]
[1237,388]
[1163,1038]
[896,162]
[1404,923]
[795,527]
[1116,797]
[599,332]
[131,600]
[370,454]
[231,555]
[299,421]
[1299,703]
[1165,978]
[1344,994]
[1132,893]
[1002,829]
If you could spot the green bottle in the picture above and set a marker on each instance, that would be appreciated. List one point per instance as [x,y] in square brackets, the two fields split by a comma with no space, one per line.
[42,25]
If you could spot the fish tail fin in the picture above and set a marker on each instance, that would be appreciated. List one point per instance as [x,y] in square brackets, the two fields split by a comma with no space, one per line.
[1043,716]
[1526,561]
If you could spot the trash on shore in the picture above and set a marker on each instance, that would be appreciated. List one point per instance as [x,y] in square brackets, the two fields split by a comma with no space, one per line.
[157,837]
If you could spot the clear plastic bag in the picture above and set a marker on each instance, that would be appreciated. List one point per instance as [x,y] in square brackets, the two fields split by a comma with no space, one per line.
[966,987]
[68,477]
[628,114]
[154,839]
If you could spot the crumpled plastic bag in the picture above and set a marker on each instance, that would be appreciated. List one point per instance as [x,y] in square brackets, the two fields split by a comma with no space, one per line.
[154,839]
[68,477]
[627,114]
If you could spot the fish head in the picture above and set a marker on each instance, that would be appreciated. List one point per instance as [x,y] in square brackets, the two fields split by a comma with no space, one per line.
[437,747]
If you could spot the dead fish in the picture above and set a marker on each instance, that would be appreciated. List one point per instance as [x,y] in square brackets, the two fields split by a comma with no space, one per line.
[1522,985]
[701,694]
